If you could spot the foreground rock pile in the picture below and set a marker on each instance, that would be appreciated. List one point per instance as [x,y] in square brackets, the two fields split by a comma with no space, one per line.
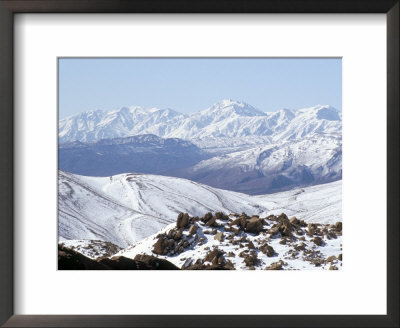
[222,242]
[213,241]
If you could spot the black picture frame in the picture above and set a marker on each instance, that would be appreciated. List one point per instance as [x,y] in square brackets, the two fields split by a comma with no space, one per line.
[10,7]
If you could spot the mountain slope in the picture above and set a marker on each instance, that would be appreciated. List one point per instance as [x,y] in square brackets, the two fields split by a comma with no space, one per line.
[274,167]
[144,153]
[130,207]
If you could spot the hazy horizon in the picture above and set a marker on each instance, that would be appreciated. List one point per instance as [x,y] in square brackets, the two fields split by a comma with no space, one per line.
[189,85]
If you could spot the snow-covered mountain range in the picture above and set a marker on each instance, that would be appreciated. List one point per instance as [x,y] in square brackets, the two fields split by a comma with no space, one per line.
[226,119]
[240,148]
[130,207]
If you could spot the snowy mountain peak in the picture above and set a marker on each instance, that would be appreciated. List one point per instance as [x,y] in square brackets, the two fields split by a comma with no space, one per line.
[234,107]
[323,112]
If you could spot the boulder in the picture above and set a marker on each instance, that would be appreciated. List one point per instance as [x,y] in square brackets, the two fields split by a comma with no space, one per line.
[331,258]
[182,220]
[267,250]
[160,247]
[317,241]
[192,229]
[178,234]
[293,220]
[338,226]
[211,221]
[207,217]
[254,225]
[219,236]
[275,266]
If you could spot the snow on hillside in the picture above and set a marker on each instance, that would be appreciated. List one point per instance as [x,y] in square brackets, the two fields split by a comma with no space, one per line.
[274,167]
[129,207]
[228,118]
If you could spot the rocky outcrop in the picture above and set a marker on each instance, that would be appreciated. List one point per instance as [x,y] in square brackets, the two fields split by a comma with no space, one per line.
[69,259]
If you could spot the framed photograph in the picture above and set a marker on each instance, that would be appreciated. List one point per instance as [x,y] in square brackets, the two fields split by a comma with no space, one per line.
[199,164]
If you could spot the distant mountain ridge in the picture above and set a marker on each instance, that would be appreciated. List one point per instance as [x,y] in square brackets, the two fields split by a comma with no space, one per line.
[227,118]
[143,153]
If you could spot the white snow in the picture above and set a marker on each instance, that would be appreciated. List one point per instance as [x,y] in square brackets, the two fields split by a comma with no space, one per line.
[131,207]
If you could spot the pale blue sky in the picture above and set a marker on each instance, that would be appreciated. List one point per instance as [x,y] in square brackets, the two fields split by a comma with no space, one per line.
[189,85]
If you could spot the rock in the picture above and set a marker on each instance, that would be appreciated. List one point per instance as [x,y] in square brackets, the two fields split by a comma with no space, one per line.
[215,253]
[332,235]
[267,250]
[338,226]
[272,217]
[68,259]
[275,266]
[340,256]
[178,235]
[214,231]
[201,241]
[333,267]
[182,221]
[231,254]
[300,247]
[250,245]
[251,260]
[155,263]
[283,241]
[235,222]
[317,241]
[311,229]
[274,230]
[331,258]
[293,220]
[160,246]
[254,225]
[192,229]
[219,236]
[207,217]
[171,243]
[211,221]
[187,263]
[285,226]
